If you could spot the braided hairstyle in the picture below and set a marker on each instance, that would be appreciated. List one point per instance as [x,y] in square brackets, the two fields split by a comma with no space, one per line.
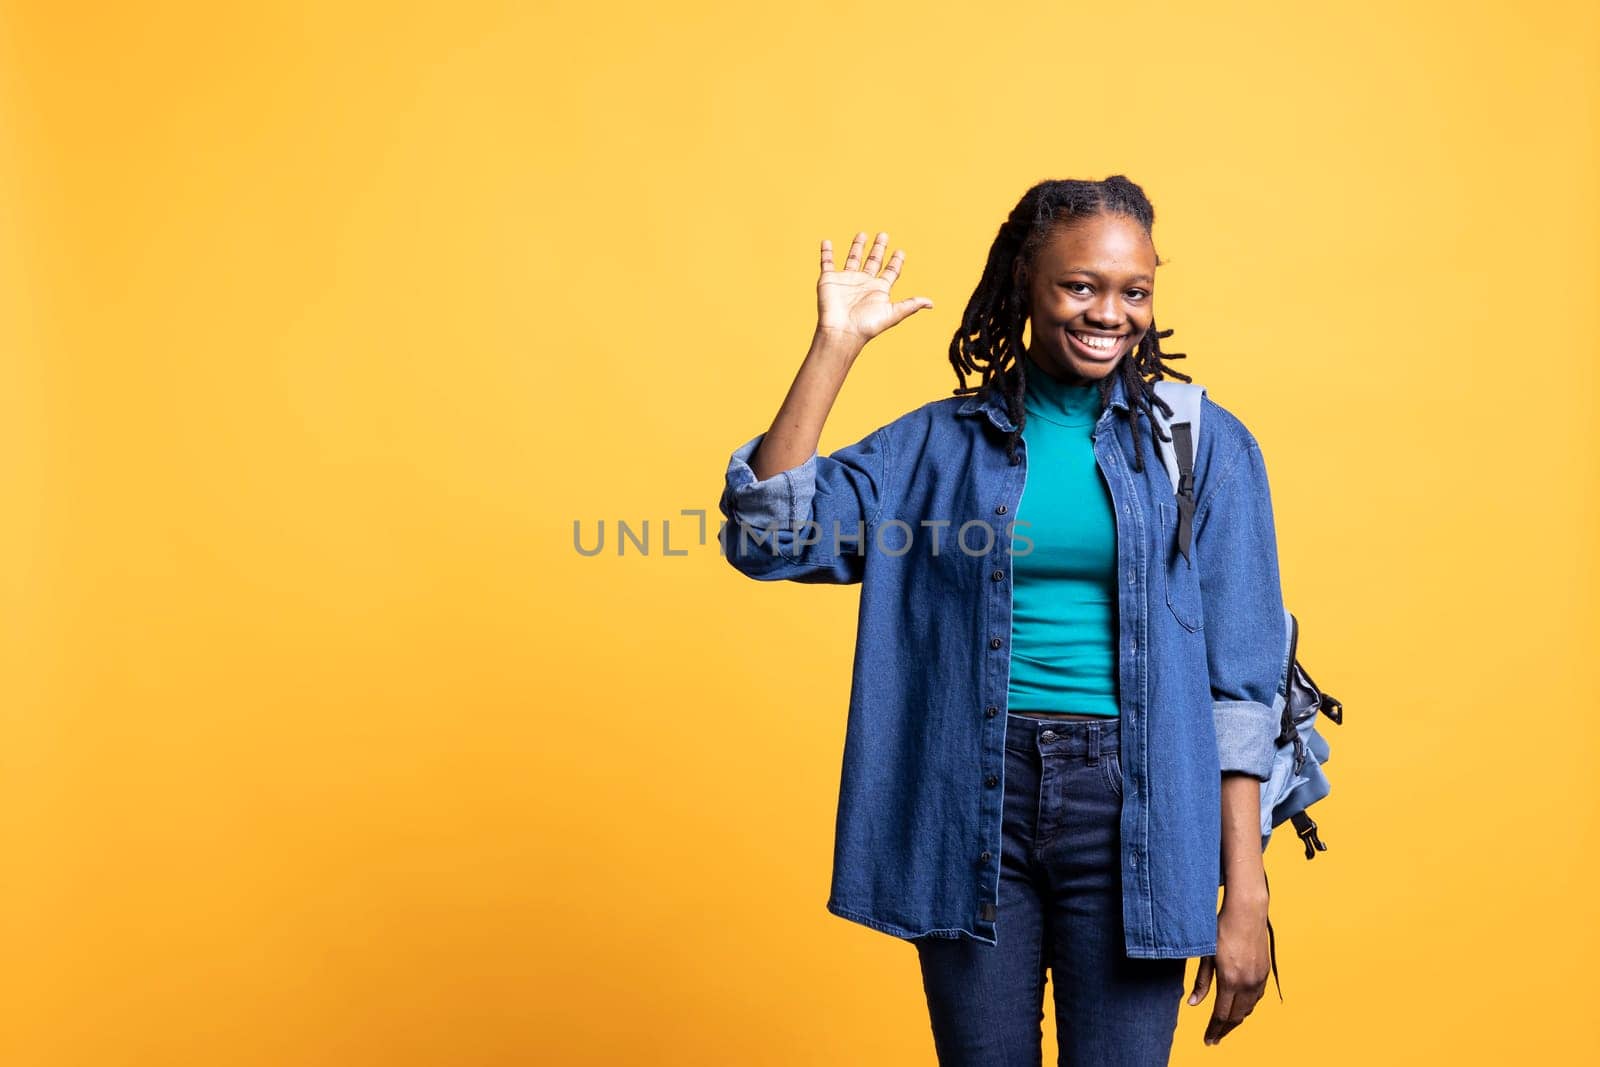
[990,336]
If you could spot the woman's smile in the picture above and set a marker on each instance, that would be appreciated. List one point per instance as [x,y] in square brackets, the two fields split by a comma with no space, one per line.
[1099,347]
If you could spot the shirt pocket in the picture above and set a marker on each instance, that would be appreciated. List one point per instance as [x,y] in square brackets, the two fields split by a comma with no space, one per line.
[1179,576]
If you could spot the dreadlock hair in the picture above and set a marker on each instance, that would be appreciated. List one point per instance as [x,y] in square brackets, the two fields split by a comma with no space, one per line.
[989,340]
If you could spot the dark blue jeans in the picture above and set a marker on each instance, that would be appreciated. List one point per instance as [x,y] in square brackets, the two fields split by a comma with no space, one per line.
[1060,908]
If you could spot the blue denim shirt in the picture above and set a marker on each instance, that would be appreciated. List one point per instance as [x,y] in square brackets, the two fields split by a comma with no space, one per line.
[919,512]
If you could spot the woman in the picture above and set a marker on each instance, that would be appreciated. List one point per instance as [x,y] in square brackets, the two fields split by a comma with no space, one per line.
[1059,721]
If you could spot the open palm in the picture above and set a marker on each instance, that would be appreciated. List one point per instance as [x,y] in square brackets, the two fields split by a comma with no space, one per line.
[855,301]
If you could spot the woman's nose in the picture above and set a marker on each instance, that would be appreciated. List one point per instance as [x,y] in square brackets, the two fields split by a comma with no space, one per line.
[1107,314]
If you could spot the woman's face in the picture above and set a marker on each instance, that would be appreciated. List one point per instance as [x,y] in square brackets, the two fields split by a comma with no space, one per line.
[1090,296]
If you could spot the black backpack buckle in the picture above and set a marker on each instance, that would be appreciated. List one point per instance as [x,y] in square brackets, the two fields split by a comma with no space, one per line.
[1305,827]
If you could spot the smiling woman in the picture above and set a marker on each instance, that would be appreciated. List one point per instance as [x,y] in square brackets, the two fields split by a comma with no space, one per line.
[1070,772]
[1094,284]
[1083,279]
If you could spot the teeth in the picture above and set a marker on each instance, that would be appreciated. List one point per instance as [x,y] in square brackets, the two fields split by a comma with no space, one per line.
[1105,344]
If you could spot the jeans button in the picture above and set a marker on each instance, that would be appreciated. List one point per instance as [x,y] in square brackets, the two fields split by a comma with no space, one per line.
[1048,735]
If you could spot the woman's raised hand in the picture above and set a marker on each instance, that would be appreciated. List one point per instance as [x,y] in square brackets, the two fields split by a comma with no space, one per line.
[854,303]
[853,307]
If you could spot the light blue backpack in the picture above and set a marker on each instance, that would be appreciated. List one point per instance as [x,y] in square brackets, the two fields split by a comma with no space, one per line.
[1297,780]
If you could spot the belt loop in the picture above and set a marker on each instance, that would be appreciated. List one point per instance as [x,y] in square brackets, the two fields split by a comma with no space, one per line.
[1094,743]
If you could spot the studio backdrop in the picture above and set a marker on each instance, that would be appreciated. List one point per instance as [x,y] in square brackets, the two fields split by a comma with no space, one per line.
[331,335]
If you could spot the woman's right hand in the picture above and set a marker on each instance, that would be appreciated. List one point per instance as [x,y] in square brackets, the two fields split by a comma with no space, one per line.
[853,304]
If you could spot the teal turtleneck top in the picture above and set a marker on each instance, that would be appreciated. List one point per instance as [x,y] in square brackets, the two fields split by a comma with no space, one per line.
[1064,596]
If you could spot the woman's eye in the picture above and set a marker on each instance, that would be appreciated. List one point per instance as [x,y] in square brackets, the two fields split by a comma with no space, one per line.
[1137,294]
[1076,286]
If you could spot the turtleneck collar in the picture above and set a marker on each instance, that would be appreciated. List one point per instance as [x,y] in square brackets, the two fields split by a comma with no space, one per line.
[1059,402]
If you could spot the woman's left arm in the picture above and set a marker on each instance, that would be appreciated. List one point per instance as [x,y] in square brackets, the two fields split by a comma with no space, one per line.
[1242,946]
[1236,546]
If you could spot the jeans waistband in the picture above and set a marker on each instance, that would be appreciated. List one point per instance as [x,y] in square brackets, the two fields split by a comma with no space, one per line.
[1072,737]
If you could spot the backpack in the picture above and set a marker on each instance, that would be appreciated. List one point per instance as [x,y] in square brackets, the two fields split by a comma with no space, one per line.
[1297,780]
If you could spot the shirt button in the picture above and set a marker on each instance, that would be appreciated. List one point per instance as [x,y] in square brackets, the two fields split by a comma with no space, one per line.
[1130,577]
[984,856]
[994,642]
[998,575]
[990,712]
[1133,861]
[1133,643]
[999,509]
[991,781]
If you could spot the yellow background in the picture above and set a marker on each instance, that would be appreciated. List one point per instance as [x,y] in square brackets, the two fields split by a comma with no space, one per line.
[322,324]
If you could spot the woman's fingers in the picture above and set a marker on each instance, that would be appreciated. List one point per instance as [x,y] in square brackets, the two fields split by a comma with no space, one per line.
[1202,979]
[853,260]
[875,257]
[903,309]
[892,271]
[1235,1001]
[1218,1028]
[1232,1008]
[1222,1016]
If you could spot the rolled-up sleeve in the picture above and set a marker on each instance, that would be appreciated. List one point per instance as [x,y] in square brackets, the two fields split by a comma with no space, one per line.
[1236,545]
[811,523]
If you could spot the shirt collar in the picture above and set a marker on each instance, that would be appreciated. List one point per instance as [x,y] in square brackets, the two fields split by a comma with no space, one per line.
[992,402]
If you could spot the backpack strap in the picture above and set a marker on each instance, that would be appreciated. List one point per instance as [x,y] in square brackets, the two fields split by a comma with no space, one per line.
[1272,944]
[1184,428]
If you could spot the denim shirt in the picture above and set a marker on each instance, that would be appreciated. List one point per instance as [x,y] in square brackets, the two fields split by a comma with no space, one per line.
[919,513]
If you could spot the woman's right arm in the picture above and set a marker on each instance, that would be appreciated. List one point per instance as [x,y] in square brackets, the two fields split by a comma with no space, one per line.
[797,428]
[793,514]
